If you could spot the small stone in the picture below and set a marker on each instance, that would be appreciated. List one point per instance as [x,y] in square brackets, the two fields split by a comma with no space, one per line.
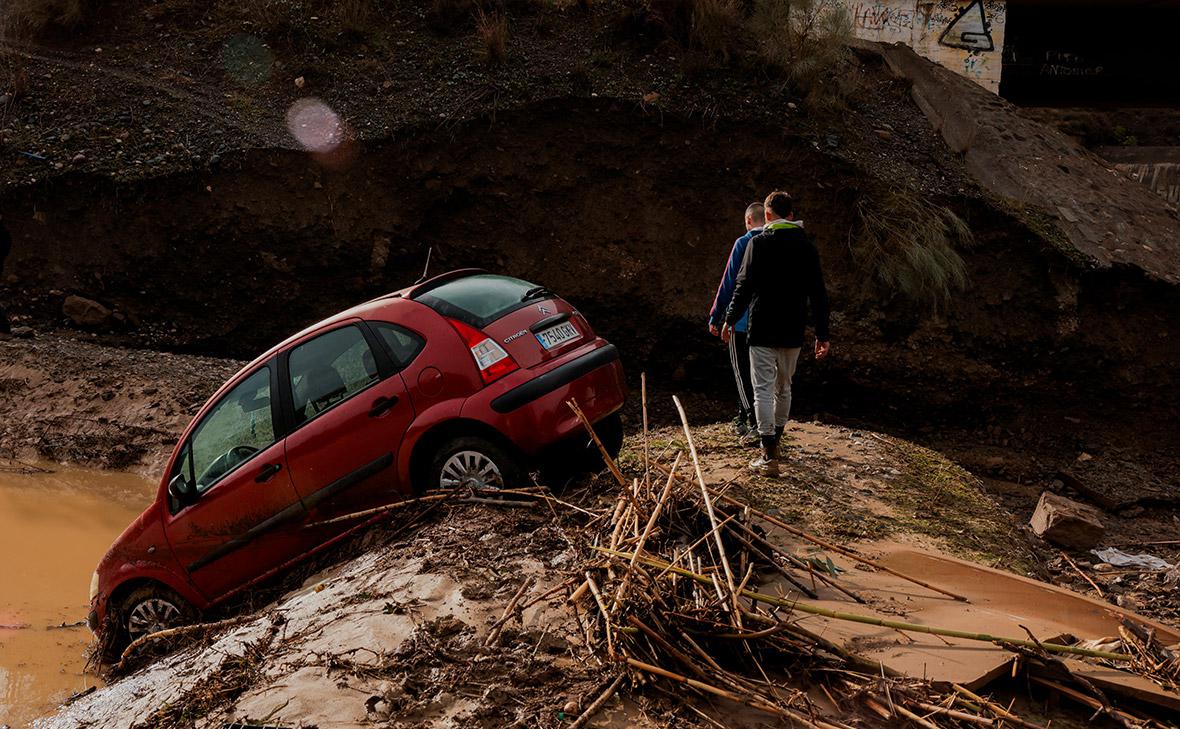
[1083,457]
[22,332]
[1103,567]
[792,105]
[883,133]
[1066,522]
[79,158]
[300,82]
[86,313]
[570,708]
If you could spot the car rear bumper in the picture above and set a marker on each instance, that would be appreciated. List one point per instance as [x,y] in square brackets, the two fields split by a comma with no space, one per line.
[530,406]
[556,378]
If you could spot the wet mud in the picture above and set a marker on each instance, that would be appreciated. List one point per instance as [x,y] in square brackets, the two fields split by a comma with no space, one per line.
[55,523]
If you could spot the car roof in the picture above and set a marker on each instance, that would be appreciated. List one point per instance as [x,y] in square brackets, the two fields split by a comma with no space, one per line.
[365,310]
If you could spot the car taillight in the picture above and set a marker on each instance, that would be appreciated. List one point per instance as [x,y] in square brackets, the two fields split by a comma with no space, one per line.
[490,358]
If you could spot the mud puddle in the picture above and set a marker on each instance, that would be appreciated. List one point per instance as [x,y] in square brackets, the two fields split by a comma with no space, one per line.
[54,526]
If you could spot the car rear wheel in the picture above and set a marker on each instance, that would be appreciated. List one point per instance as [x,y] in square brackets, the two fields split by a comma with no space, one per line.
[153,608]
[473,462]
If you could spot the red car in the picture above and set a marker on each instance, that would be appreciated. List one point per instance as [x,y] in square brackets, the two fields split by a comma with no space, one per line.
[460,380]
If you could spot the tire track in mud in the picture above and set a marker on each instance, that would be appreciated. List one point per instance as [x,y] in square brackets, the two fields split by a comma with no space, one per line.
[201,104]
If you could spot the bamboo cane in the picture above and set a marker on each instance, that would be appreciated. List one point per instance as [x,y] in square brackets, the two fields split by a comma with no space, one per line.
[781,570]
[606,457]
[597,705]
[737,698]
[800,563]
[995,708]
[1083,575]
[651,524]
[881,622]
[696,462]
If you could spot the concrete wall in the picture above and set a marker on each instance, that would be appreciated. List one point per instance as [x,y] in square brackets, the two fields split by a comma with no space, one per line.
[966,36]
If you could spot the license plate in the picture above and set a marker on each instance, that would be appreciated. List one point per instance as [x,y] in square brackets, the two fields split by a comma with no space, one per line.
[556,335]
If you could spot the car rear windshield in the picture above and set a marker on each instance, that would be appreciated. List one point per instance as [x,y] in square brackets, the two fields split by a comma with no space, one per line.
[480,299]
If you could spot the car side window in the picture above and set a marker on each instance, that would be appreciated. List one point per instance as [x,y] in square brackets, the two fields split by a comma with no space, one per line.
[329,369]
[403,345]
[235,429]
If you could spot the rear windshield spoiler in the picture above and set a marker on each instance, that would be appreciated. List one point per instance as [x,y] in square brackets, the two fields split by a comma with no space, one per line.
[418,289]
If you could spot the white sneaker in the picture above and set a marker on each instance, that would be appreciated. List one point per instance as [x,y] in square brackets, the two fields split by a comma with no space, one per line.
[764,466]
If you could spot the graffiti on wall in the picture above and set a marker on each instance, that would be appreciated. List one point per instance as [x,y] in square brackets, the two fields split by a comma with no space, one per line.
[970,30]
[966,36]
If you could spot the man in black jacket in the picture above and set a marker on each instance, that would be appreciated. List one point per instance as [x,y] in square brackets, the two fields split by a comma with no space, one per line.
[780,276]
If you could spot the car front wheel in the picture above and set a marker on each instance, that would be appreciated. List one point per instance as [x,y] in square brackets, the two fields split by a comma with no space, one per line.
[153,608]
[473,462]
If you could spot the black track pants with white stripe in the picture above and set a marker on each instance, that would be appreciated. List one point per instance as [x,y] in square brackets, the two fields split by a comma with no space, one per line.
[739,359]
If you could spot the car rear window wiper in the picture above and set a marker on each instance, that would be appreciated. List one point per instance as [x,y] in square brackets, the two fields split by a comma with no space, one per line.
[536,292]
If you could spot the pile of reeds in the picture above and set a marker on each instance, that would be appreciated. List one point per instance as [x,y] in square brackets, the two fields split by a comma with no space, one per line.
[669,596]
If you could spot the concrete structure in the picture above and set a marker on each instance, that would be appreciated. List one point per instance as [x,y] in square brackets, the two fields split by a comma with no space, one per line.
[966,36]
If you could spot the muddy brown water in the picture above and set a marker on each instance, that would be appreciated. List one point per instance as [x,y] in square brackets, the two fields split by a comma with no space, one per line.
[54,527]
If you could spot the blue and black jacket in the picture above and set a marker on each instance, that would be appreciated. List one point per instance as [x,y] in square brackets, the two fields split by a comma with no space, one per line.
[728,280]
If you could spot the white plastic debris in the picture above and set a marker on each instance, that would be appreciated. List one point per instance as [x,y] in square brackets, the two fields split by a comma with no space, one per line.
[1119,558]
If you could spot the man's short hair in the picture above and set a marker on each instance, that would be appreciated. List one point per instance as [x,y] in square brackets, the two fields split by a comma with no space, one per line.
[780,203]
[756,212]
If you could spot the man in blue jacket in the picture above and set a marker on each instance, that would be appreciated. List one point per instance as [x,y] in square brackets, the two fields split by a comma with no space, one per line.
[779,282]
[739,351]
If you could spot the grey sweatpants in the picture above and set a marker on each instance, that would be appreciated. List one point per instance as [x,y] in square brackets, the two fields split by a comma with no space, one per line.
[771,370]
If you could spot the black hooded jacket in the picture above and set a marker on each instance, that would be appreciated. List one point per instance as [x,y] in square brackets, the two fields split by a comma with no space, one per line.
[780,275]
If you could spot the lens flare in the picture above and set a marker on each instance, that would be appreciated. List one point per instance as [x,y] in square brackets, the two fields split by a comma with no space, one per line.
[315,126]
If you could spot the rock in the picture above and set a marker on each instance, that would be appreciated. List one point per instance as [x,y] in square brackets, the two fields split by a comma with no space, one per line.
[86,312]
[1066,522]
[300,82]
[883,134]
[22,332]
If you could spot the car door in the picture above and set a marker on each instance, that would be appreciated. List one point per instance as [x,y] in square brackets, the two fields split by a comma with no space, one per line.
[243,515]
[349,410]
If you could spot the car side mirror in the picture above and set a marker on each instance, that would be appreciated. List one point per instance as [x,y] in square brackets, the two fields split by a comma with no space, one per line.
[181,490]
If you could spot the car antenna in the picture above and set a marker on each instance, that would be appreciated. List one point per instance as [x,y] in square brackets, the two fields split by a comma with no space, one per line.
[426,269]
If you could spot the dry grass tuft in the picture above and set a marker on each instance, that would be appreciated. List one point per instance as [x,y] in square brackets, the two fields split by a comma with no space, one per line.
[30,18]
[492,29]
[716,25]
[909,245]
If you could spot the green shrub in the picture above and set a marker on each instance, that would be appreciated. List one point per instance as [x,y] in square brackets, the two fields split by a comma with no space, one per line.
[908,245]
[807,40]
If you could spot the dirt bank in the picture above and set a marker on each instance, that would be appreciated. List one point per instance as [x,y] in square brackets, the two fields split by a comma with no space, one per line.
[68,400]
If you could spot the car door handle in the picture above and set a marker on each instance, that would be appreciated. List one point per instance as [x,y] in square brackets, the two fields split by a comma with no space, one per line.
[268,472]
[382,405]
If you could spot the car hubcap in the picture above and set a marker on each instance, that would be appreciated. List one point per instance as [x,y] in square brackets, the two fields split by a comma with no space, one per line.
[471,469]
[151,616]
